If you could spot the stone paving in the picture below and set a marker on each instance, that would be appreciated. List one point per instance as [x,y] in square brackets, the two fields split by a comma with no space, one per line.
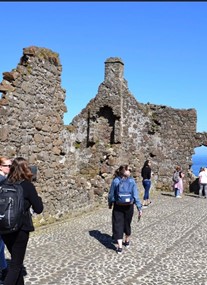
[168,246]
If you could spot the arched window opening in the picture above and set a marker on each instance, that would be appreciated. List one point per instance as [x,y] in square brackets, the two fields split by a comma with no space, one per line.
[104,127]
[199,159]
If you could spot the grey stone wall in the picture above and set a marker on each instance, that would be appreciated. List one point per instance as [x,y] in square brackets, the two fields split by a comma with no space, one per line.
[76,162]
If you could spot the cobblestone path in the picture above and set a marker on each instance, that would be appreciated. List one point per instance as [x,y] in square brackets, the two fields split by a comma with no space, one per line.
[168,246]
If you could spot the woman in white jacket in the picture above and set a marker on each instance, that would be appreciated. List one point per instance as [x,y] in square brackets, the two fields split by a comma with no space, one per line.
[203,182]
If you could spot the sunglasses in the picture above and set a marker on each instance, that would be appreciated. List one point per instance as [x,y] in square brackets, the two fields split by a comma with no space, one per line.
[6,165]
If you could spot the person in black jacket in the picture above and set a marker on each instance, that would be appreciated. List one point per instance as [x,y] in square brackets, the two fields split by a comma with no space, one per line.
[16,242]
[5,164]
[146,182]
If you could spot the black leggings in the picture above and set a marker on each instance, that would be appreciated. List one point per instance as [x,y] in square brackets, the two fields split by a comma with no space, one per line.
[16,244]
[121,220]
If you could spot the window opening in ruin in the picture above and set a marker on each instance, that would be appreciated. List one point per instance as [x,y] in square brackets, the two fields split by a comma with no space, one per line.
[89,143]
[107,113]
[199,159]
[102,127]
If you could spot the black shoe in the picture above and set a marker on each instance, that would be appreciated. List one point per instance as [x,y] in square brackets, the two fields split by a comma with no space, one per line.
[119,250]
[127,244]
[24,271]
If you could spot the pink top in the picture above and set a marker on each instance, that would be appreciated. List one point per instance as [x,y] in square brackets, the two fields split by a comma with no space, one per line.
[179,184]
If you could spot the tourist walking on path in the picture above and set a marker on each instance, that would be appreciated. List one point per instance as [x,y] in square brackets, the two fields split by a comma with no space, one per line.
[5,164]
[123,195]
[202,176]
[16,242]
[146,173]
[178,182]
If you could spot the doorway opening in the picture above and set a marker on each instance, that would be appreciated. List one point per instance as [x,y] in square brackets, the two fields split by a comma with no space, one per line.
[199,159]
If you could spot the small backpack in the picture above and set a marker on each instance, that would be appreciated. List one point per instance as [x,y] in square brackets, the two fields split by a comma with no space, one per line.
[176,176]
[124,192]
[11,207]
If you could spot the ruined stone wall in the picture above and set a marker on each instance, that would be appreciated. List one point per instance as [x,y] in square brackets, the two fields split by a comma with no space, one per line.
[76,162]
[117,129]
[31,119]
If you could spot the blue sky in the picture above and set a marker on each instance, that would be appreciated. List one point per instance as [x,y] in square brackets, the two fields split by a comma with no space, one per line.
[163,46]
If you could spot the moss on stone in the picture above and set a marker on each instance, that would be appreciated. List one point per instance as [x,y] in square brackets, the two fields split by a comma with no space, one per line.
[42,53]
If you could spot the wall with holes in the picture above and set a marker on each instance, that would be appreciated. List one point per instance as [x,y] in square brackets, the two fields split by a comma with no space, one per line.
[76,162]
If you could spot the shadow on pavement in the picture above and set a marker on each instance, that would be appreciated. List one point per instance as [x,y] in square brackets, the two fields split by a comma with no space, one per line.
[185,194]
[103,238]
[192,195]
[168,194]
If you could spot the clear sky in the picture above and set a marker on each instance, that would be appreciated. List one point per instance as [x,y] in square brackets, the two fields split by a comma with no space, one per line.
[163,46]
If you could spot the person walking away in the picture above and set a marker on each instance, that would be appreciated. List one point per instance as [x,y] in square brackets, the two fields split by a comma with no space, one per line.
[178,181]
[5,164]
[202,177]
[146,173]
[16,242]
[123,195]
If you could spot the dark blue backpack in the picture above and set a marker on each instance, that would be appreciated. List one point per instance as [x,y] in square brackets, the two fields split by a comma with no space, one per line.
[124,193]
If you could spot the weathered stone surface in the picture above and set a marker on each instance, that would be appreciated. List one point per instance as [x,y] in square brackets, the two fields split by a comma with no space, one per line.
[4,133]
[6,87]
[76,163]
[10,76]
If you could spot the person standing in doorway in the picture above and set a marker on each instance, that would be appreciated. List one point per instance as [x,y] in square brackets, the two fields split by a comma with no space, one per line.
[146,173]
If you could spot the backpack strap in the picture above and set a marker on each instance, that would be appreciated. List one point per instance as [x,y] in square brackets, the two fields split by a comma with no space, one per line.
[6,181]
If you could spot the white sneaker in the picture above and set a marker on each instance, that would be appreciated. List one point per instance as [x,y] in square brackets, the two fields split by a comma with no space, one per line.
[178,197]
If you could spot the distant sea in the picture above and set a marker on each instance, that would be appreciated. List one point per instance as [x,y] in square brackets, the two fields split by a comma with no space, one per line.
[198,162]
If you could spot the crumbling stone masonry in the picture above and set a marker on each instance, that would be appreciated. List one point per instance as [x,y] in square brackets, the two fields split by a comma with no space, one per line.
[76,162]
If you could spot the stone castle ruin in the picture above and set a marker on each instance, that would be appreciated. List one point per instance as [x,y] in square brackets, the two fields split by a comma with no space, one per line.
[75,163]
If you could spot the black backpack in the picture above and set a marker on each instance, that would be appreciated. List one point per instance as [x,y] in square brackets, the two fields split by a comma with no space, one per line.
[11,207]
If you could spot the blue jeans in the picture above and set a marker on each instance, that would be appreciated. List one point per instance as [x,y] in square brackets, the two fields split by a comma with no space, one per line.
[146,184]
[177,192]
[203,188]
[3,263]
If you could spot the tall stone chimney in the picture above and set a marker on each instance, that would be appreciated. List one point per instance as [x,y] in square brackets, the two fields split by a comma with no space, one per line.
[114,69]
